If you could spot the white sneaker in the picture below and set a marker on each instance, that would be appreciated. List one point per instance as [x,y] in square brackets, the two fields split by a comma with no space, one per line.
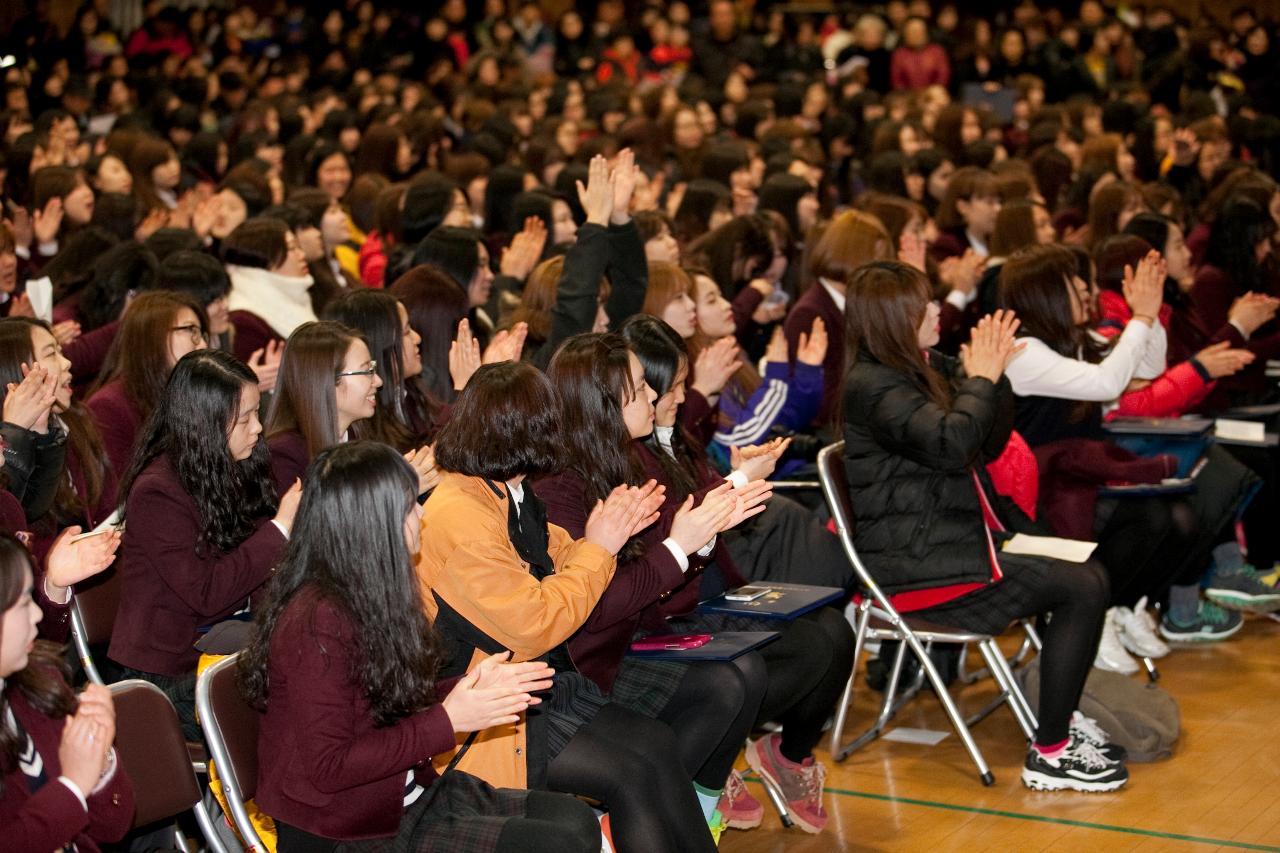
[1111,652]
[1138,631]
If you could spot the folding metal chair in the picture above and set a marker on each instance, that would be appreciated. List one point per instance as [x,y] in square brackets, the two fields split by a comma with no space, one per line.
[93,616]
[230,726]
[153,752]
[878,620]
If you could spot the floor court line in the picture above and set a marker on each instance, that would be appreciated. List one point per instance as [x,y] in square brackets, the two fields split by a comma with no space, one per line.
[1128,830]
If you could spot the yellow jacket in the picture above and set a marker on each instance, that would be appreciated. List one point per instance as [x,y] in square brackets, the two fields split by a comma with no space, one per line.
[467,559]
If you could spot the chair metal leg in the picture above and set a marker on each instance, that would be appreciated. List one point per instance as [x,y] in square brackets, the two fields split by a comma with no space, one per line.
[778,802]
[1153,674]
[207,829]
[1009,692]
[838,752]
[949,705]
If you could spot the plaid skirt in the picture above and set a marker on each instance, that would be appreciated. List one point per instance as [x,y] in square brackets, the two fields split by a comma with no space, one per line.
[459,813]
[646,686]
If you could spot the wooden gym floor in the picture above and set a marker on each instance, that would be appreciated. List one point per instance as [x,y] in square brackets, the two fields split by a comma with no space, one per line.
[1220,791]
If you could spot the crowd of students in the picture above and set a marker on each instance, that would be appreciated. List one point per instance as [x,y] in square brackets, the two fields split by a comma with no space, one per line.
[457,349]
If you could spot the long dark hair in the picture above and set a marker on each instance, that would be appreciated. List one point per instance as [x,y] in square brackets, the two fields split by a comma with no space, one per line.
[887,303]
[376,316]
[1035,283]
[43,682]
[16,349]
[1233,239]
[306,398]
[189,426]
[661,352]
[436,305]
[592,376]
[348,548]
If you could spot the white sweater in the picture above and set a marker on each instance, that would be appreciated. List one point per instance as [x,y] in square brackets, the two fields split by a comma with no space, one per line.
[1038,371]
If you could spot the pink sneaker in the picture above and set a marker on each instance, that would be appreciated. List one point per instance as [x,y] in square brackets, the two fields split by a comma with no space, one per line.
[739,809]
[800,784]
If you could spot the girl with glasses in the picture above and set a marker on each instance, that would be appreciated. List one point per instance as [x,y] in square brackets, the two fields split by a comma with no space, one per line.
[157,330]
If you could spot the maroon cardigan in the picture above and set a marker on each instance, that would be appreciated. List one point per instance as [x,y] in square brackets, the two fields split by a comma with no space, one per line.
[251,333]
[324,767]
[816,302]
[169,590]
[52,816]
[1211,299]
[119,423]
[600,644]
[289,459]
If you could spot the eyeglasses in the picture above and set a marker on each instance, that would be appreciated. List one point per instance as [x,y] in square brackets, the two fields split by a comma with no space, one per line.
[193,331]
[368,371]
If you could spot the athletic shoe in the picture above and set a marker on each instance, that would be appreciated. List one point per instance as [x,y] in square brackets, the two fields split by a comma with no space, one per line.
[1242,589]
[1211,624]
[1111,653]
[1087,729]
[1079,767]
[1138,631]
[739,808]
[717,826]
[1271,578]
[800,784]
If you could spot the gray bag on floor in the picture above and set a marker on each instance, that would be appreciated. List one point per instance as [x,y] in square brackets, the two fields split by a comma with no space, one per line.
[1139,716]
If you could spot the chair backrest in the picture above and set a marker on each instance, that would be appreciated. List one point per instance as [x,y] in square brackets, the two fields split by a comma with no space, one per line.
[835,488]
[153,751]
[97,600]
[230,726]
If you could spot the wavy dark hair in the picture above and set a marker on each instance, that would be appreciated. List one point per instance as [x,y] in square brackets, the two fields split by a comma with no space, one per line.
[43,682]
[189,426]
[591,374]
[662,352]
[375,314]
[16,349]
[505,423]
[348,551]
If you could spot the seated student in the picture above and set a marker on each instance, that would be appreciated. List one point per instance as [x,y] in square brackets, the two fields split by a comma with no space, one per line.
[345,665]
[607,409]
[436,307]
[203,527]
[1063,379]
[917,432]
[76,795]
[967,215]
[496,576]
[809,665]
[270,285]
[56,464]
[157,330]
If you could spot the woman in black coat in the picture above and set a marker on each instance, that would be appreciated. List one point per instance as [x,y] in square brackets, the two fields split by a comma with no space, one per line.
[918,429]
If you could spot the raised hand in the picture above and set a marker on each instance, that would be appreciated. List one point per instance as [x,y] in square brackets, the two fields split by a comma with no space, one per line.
[289,505]
[1252,311]
[597,196]
[507,345]
[519,259]
[71,560]
[205,215]
[23,233]
[423,462]
[992,346]
[911,250]
[155,219]
[464,356]
[758,461]
[715,365]
[625,175]
[626,510]
[66,332]
[29,403]
[694,526]
[776,352]
[82,752]
[1144,287]
[482,698]
[1220,360]
[265,362]
[748,502]
[964,272]
[46,223]
[812,349]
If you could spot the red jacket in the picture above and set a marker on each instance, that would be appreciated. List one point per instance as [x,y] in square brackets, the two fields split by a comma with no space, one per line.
[324,767]
[914,69]
[52,816]
[169,590]
[1176,391]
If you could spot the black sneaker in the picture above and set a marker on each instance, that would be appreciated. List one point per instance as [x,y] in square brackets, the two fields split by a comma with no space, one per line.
[1079,767]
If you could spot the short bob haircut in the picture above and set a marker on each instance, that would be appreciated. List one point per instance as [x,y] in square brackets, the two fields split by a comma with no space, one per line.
[852,239]
[452,250]
[260,243]
[966,184]
[667,281]
[505,423]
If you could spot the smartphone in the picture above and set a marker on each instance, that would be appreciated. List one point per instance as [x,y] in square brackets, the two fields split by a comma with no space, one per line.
[670,643]
[747,593]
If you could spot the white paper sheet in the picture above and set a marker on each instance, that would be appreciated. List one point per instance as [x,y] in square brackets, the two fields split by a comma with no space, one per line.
[923,737]
[1071,550]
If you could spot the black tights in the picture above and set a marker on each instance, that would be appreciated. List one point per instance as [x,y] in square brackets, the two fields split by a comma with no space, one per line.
[552,823]
[629,763]
[1075,593]
[712,712]
[809,666]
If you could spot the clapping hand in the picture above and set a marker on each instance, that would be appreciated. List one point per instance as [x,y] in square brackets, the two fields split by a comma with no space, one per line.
[1144,287]
[71,560]
[992,346]
[495,693]
[757,462]
[507,345]
[715,365]
[29,403]
[464,356]
[265,362]
[519,259]
[626,511]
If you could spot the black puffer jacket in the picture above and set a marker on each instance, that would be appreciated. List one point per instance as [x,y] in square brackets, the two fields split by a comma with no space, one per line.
[908,461]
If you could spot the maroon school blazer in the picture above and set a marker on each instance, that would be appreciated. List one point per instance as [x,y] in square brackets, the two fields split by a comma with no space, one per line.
[816,302]
[323,766]
[289,459]
[169,589]
[119,422]
[252,333]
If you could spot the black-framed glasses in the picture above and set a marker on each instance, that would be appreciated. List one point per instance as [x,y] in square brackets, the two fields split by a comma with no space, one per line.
[194,331]
[370,370]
